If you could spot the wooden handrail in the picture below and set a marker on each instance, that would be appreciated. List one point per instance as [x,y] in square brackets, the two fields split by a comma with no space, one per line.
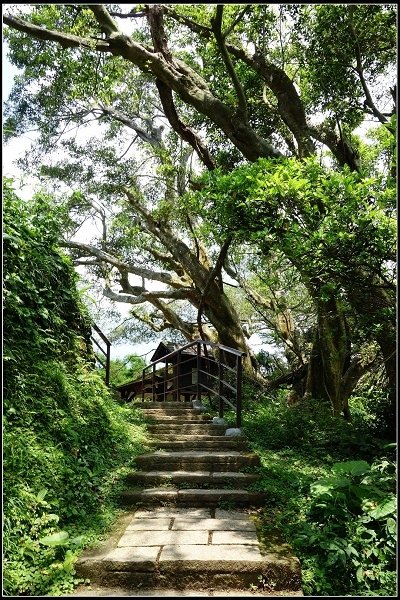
[202,383]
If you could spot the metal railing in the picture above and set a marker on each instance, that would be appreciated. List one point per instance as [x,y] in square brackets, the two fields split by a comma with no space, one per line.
[105,363]
[190,372]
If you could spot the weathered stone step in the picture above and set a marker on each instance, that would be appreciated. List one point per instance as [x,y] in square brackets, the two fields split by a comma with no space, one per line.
[199,442]
[190,549]
[175,421]
[195,497]
[199,567]
[163,405]
[197,461]
[172,412]
[98,591]
[153,478]
[192,436]
[218,443]
[185,428]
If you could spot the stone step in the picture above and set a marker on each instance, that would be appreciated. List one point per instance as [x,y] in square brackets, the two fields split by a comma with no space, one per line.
[153,478]
[197,460]
[175,421]
[192,436]
[162,405]
[172,412]
[185,428]
[98,591]
[219,443]
[194,497]
[191,550]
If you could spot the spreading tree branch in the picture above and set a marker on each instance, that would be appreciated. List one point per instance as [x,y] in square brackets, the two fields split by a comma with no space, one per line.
[360,71]
[201,30]
[66,40]
[145,296]
[216,24]
[290,106]
[122,266]
[103,17]
[151,136]
[177,75]
[340,147]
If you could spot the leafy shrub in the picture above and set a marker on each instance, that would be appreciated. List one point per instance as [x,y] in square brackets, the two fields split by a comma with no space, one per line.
[349,534]
[123,370]
[309,426]
[338,514]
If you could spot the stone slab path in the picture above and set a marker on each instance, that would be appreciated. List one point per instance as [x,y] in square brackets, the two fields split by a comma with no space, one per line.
[185,551]
[184,541]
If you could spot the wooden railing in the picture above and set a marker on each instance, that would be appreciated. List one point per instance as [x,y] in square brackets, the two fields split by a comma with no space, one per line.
[105,363]
[190,373]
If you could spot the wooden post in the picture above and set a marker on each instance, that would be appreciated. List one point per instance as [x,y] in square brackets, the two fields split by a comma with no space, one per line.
[153,387]
[220,388]
[198,372]
[178,373]
[238,391]
[165,380]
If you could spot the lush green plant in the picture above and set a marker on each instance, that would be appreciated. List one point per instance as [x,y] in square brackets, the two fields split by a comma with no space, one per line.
[330,486]
[123,370]
[306,427]
[66,443]
[349,533]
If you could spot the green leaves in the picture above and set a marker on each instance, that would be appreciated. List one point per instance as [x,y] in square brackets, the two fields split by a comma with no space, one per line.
[328,55]
[63,434]
[352,468]
[362,541]
[328,485]
[59,538]
[383,510]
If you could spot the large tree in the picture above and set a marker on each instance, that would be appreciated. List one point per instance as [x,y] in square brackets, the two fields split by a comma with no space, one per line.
[234,84]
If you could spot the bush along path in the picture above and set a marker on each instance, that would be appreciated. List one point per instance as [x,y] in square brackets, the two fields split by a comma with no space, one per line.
[190,519]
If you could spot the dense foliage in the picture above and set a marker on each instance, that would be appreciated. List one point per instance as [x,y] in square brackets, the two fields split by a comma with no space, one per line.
[64,438]
[337,229]
[331,493]
[175,90]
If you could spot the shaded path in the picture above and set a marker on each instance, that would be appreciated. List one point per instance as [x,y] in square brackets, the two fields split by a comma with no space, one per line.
[181,541]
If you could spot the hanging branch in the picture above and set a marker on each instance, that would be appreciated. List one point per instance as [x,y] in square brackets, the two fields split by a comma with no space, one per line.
[156,24]
[220,37]
[359,70]
[185,132]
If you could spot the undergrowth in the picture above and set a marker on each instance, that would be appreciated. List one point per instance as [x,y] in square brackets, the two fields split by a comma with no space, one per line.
[66,442]
[330,489]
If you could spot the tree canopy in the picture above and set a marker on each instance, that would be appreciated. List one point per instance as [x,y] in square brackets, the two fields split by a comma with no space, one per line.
[296,207]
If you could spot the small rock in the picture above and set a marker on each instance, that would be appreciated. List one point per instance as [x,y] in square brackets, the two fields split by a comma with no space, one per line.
[233,431]
[218,421]
[198,405]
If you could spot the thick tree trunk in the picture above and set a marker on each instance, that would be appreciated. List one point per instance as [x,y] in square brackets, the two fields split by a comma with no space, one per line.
[216,305]
[329,355]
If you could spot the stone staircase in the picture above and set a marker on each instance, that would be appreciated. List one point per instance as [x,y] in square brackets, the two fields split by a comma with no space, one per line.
[192,450]
[188,523]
